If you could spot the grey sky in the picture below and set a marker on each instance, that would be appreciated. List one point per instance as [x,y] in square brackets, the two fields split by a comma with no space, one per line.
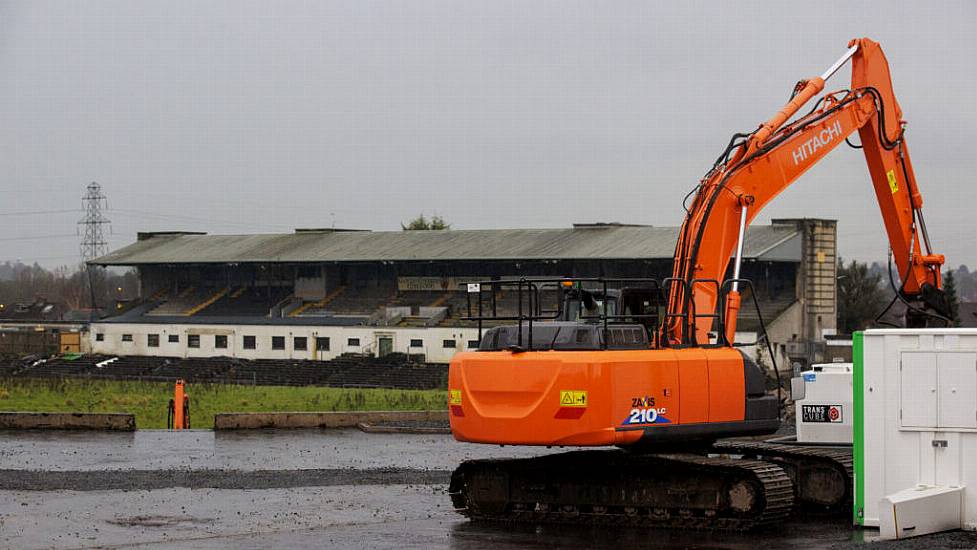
[242,117]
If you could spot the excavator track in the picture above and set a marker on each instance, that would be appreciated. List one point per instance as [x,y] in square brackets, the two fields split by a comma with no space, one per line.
[822,476]
[617,487]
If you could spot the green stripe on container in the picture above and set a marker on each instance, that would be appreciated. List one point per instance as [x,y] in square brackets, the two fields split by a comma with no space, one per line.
[858,387]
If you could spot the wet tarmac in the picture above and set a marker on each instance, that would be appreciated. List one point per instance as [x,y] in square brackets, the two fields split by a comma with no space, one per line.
[306,489]
[401,516]
[239,450]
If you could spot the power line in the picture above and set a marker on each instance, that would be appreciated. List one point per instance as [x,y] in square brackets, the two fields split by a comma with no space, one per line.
[43,258]
[143,213]
[39,237]
[40,212]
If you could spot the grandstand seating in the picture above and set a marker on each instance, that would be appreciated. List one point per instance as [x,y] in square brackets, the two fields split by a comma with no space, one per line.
[317,308]
[179,304]
[210,300]
[457,304]
[345,301]
[160,294]
[770,308]
[416,299]
[224,301]
[362,301]
[245,302]
[442,299]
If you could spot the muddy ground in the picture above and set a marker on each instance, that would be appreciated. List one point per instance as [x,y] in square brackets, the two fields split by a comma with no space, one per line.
[338,489]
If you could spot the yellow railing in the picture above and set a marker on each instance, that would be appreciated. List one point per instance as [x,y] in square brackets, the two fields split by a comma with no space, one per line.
[206,303]
[441,300]
[321,303]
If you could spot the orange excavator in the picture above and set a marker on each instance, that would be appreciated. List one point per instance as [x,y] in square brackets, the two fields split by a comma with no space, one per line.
[663,392]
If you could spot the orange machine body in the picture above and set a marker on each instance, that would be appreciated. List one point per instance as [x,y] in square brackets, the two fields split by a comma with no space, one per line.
[594,397]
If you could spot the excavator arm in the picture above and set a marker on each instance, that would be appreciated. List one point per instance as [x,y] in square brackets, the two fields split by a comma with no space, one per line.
[757,166]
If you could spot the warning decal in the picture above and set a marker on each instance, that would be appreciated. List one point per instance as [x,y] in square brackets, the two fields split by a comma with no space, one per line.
[454,397]
[893,183]
[573,398]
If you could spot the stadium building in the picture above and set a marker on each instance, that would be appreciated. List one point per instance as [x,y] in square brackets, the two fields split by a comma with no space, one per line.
[321,293]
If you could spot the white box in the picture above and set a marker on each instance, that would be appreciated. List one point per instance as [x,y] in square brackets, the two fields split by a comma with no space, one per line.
[920,511]
[915,405]
[823,404]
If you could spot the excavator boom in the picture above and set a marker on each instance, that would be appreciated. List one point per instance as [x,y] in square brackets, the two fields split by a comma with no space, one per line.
[774,156]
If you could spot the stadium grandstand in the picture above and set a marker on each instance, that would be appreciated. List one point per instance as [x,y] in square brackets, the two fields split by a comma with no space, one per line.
[321,294]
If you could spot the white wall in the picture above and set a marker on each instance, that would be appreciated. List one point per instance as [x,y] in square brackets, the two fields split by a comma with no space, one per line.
[432,339]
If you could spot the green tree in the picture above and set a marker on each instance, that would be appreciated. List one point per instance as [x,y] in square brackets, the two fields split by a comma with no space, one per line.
[950,288]
[860,296]
[421,223]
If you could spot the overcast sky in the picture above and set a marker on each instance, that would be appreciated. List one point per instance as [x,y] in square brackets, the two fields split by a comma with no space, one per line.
[243,117]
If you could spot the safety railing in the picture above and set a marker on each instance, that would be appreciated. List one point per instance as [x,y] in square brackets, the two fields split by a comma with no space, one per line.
[482,302]
[483,305]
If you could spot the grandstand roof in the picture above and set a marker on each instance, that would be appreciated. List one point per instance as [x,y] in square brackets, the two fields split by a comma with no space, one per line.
[777,242]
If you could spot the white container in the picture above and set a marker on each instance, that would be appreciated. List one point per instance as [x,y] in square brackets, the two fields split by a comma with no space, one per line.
[823,404]
[915,405]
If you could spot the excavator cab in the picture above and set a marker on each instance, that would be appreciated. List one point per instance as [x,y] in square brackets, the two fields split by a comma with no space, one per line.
[582,304]
[630,304]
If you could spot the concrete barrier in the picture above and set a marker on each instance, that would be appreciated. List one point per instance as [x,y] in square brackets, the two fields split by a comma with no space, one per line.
[287,420]
[123,422]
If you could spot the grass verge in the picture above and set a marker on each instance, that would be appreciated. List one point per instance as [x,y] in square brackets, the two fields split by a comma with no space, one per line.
[148,400]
